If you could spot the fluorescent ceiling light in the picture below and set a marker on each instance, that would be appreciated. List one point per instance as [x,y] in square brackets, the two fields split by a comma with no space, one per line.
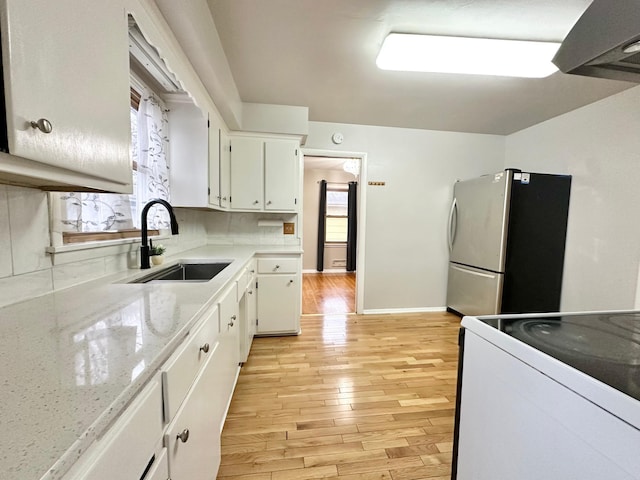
[478,56]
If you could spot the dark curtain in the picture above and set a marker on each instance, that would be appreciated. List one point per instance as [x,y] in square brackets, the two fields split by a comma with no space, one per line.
[352,226]
[322,209]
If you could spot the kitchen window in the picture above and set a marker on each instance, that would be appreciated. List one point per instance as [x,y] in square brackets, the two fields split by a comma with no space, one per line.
[86,216]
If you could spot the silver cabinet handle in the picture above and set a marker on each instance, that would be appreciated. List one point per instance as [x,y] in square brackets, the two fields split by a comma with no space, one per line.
[205,348]
[184,436]
[43,125]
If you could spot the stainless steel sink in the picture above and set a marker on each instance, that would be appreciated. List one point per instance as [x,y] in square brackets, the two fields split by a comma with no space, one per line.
[185,272]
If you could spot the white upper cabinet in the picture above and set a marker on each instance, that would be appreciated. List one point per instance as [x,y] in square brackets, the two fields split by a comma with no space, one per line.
[214,162]
[280,175]
[264,174]
[247,174]
[188,152]
[66,64]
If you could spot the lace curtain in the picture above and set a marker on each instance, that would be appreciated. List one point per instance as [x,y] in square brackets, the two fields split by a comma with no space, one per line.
[100,212]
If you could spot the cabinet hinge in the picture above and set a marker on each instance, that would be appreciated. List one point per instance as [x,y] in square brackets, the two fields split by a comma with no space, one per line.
[229,147]
[296,152]
[256,322]
[295,201]
[208,191]
[208,123]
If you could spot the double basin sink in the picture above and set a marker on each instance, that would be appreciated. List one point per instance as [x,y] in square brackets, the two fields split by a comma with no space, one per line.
[185,272]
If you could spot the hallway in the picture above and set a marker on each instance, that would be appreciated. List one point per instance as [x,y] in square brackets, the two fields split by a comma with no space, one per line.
[328,293]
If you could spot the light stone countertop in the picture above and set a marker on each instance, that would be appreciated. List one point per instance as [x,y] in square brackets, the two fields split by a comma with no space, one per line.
[72,360]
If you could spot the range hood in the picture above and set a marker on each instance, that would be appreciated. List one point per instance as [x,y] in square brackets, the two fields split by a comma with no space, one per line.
[604,42]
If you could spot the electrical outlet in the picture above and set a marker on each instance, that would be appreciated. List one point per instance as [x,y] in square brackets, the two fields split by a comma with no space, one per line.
[288,228]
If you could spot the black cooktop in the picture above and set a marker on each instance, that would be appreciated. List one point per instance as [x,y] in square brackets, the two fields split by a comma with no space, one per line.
[605,346]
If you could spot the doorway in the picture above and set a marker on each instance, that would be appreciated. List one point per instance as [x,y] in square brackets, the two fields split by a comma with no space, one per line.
[332,213]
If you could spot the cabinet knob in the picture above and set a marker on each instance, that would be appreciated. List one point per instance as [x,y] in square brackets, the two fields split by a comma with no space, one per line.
[250,292]
[205,348]
[184,436]
[43,125]
[224,198]
[290,282]
[277,267]
[256,202]
[269,202]
[233,317]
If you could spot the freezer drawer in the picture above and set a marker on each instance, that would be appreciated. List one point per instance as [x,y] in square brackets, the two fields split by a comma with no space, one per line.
[471,291]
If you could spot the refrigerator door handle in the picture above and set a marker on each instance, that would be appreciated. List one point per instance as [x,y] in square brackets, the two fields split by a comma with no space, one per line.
[453,226]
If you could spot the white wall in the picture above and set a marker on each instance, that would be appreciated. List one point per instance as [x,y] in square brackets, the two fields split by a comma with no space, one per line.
[406,251]
[599,145]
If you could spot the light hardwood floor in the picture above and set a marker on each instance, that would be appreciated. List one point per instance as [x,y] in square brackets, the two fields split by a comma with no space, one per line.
[353,398]
[328,293]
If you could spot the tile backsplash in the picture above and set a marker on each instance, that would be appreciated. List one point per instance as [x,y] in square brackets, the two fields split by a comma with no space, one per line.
[27,270]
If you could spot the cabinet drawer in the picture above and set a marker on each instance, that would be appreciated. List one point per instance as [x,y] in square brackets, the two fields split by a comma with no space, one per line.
[181,369]
[126,449]
[277,265]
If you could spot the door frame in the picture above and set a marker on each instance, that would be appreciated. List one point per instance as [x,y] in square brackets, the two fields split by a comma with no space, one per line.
[362,210]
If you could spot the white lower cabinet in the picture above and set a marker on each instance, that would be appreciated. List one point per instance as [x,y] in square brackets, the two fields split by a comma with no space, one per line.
[193,436]
[248,304]
[228,365]
[279,295]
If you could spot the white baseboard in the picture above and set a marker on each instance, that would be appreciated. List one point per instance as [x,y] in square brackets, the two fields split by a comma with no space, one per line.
[382,311]
[327,270]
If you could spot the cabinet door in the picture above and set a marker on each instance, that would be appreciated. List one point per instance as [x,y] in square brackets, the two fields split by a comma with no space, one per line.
[278,300]
[225,170]
[193,437]
[67,62]
[229,358]
[281,184]
[247,174]
[252,310]
[214,162]
[189,154]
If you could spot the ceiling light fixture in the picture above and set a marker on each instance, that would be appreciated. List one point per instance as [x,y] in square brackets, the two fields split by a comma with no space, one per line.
[476,56]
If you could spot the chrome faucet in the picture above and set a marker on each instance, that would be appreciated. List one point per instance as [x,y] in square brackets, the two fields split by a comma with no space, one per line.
[144,249]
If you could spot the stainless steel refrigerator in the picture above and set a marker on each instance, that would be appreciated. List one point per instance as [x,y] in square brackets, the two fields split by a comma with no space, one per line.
[506,237]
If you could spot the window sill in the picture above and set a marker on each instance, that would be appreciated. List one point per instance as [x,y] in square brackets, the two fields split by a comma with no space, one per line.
[74,252]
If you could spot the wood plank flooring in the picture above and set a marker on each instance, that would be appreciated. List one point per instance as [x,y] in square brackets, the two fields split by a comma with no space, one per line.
[351,398]
[328,293]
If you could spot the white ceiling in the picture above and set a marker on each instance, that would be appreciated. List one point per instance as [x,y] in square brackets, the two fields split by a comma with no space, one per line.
[321,54]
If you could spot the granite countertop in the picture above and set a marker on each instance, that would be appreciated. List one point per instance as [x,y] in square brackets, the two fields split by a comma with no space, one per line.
[73,360]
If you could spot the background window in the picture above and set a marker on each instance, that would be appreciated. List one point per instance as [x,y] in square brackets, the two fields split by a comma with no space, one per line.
[336,216]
